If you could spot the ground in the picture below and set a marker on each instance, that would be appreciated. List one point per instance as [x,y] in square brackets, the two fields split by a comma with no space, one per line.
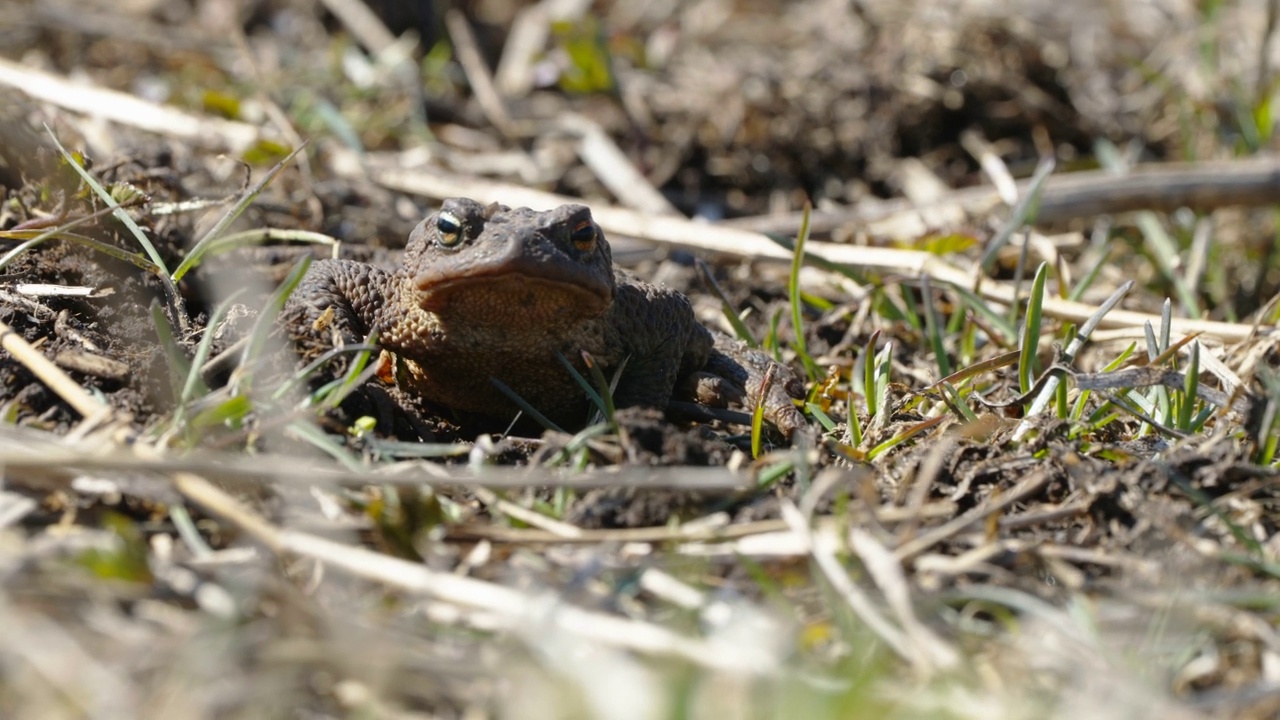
[1012,499]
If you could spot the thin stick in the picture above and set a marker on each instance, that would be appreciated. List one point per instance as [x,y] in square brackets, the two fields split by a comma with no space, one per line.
[464,43]
[23,451]
[512,608]
[77,397]
[364,25]
[933,536]
[128,110]
[1157,186]
[744,243]
[614,169]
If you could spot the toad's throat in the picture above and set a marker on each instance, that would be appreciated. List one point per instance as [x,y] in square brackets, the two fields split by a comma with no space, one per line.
[514,298]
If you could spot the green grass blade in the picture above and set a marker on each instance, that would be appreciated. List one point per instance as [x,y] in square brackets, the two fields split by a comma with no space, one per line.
[933,329]
[582,382]
[904,436]
[193,383]
[854,424]
[994,318]
[33,237]
[957,403]
[258,236]
[1119,360]
[1049,390]
[524,405]
[179,367]
[359,372]
[740,328]
[1166,324]
[300,376]
[326,444]
[869,375]
[793,293]
[232,410]
[202,246]
[266,319]
[116,210]
[1191,390]
[828,425]
[1031,331]
[757,426]
[883,367]
[1086,282]
[1164,251]
[1022,212]
[605,388]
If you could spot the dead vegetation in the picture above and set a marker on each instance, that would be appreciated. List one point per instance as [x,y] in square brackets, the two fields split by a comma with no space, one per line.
[1034,301]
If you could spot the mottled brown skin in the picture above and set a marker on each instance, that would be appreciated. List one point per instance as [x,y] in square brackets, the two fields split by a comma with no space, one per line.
[494,292]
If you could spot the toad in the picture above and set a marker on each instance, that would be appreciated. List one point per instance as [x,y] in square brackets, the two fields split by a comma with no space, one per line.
[489,293]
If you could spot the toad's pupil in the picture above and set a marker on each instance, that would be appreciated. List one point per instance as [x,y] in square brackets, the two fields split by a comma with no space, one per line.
[584,233]
[447,224]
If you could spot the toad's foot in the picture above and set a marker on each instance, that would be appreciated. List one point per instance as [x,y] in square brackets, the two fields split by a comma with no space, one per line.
[737,375]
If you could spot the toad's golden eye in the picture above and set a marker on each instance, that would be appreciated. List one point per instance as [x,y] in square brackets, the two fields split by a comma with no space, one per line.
[584,236]
[449,229]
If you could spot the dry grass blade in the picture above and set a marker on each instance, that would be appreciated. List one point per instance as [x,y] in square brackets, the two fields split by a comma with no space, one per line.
[742,243]
[1028,486]
[129,109]
[57,657]
[823,546]
[364,25]
[887,572]
[23,452]
[614,169]
[698,538]
[13,508]
[1164,187]
[511,608]
[526,516]
[1001,179]
[464,43]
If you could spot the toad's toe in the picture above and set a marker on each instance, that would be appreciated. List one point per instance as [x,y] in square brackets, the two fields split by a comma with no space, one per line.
[738,376]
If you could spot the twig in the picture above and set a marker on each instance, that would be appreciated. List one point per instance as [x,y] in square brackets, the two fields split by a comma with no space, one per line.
[128,110]
[614,169]
[53,376]
[513,609]
[364,25]
[822,547]
[1159,186]
[885,514]
[527,36]
[464,44]
[743,243]
[933,536]
[20,450]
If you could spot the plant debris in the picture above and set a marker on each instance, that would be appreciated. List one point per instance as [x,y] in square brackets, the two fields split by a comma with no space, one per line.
[1025,262]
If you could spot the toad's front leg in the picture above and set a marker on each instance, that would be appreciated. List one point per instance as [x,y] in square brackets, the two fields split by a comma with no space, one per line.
[738,375]
[338,301]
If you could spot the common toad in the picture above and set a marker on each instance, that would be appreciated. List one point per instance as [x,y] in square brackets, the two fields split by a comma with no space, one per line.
[494,292]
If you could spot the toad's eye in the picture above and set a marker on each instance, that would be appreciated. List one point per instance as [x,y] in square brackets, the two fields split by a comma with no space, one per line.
[584,236]
[448,228]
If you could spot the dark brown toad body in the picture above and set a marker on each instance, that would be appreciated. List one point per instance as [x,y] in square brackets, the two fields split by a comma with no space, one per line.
[498,293]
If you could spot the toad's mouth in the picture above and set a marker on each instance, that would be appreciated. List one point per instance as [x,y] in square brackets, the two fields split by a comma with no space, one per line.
[496,295]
